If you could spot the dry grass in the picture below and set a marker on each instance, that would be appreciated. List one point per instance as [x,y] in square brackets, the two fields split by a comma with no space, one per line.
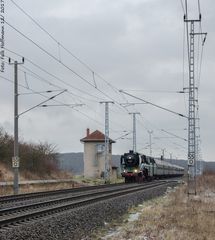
[206,182]
[5,173]
[95,181]
[175,216]
[76,181]
[28,188]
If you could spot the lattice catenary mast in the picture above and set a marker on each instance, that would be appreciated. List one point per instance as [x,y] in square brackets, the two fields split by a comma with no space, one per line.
[192,144]
[107,141]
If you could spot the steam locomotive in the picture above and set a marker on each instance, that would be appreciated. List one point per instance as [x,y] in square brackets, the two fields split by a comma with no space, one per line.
[136,168]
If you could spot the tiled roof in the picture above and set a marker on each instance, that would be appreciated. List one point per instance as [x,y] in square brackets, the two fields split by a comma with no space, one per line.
[95,136]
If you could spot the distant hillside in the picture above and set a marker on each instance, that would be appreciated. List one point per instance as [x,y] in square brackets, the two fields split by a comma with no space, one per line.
[207,166]
[73,162]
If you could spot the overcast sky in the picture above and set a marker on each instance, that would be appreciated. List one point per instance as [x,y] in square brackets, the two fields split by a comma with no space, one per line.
[133,45]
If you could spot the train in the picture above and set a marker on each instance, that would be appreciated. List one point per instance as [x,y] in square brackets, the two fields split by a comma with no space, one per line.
[138,168]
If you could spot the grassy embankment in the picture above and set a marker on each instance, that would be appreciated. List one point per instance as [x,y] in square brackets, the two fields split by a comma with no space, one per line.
[6,177]
[39,161]
[172,217]
[76,181]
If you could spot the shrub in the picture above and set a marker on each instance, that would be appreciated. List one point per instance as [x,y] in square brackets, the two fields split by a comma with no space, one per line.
[40,159]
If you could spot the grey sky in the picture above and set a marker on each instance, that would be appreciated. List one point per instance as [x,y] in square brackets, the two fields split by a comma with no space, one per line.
[134,45]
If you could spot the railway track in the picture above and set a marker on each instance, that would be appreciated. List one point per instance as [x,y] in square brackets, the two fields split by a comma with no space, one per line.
[31,200]
[25,196]
[29,212]
[25,199]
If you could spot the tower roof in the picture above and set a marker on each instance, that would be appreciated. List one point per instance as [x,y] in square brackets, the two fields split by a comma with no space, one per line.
[95,136]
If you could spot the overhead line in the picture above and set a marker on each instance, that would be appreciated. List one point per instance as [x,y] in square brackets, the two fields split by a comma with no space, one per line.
[155,105]
[87,116]
[35,75]
[22,10]
[182,5]
[155,127]
[50,55]
[152,91]
[52,84]
[54,76]
[199,7]
[49,84]
[39,104]
[71,93]
[60,62]
[54,100]
[51,36]
[66,49]
[61,89]
[172,134]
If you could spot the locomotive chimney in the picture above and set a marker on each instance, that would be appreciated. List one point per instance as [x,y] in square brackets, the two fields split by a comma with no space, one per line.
[88,132]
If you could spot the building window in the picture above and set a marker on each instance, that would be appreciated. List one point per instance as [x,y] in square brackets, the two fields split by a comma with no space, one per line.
[100,148]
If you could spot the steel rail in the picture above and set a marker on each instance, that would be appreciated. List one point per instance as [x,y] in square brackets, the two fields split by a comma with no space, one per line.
[24,196]
[44,203]
[26,216]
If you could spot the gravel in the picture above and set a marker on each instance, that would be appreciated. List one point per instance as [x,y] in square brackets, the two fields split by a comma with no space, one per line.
[78,223]
[51,197]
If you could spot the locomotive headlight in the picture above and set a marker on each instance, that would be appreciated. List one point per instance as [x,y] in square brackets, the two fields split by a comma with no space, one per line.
[135,170]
